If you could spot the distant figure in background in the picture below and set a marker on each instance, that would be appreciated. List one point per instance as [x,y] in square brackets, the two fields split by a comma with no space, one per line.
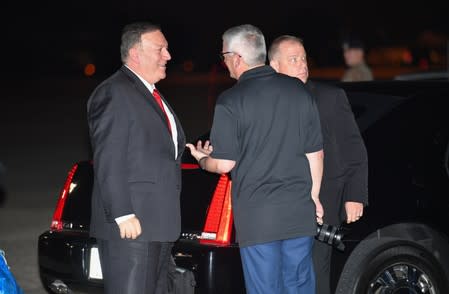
[354,54]
[344,187]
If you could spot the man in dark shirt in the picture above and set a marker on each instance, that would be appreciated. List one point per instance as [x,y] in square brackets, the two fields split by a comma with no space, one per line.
[344,188]
[266,132]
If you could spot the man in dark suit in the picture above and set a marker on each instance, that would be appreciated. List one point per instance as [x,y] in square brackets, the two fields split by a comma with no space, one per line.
[344,188]
[137,143]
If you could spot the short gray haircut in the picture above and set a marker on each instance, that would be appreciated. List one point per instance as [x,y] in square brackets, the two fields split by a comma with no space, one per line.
[247,41]
[274,47]
[132,35]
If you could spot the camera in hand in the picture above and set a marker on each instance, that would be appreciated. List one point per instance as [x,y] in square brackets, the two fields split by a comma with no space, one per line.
[331,235]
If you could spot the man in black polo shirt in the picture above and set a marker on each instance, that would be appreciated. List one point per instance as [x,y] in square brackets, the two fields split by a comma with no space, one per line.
[266,132]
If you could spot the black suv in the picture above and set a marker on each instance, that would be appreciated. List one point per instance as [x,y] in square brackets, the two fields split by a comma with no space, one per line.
[401,245]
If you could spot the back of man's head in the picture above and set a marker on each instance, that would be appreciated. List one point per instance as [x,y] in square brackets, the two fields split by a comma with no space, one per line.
[248,41]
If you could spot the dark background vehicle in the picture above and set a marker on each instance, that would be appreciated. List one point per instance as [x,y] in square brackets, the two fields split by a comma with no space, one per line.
[402,242]
[427,75]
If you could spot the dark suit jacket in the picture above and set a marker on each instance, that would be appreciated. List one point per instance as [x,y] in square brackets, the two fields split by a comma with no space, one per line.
[345,176]
[135,169]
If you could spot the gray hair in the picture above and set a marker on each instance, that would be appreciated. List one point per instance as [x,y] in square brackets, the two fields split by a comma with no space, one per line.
[274,47]
[132,35]
[247,41]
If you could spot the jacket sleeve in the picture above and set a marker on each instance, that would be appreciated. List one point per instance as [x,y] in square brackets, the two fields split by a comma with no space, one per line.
[109,131]
[353,150]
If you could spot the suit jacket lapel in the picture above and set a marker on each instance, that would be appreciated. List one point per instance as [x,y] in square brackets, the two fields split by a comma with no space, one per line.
[146,94]
[181,136]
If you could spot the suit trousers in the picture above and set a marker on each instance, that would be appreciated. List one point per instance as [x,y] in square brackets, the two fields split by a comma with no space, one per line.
[331,197]
[134,267]
[322,253]
[279,267]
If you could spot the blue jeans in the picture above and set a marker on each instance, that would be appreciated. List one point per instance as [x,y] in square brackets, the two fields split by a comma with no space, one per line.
[279,267]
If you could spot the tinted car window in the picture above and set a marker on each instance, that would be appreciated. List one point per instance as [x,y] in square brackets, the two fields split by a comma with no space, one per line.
[377,104]
[407,139]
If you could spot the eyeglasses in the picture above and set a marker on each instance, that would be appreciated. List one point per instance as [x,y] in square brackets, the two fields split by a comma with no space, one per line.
[222,54]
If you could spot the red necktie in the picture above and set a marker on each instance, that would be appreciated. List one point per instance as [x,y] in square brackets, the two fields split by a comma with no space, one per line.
[158,98]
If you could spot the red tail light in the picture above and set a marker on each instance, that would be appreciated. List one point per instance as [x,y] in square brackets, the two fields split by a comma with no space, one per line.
[217,229]
[190,166]
[56,223]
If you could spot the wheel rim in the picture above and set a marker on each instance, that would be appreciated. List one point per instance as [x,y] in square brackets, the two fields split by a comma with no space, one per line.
[402,279]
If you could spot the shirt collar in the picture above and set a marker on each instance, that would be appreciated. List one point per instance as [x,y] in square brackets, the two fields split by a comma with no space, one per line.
[149,86]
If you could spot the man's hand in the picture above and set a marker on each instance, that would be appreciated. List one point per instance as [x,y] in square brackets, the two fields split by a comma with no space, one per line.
[354,211]
[130,228]
[319,210]
[200,150]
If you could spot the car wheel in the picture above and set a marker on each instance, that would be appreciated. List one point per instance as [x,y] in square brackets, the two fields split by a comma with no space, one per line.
[385,266]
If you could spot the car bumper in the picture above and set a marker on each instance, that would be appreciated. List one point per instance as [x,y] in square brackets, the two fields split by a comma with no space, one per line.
[217,269]
[64,259]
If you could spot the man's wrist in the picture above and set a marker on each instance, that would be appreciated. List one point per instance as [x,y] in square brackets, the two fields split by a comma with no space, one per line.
[202,162]
[123,218]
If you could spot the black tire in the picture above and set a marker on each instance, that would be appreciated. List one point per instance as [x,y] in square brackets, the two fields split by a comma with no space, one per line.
[384,266]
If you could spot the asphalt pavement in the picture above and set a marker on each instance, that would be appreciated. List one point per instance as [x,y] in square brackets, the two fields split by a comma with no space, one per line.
[43,131]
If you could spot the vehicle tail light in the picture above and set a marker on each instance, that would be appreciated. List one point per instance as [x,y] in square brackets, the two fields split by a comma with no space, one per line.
[190,166]
[218,227]
[56,223]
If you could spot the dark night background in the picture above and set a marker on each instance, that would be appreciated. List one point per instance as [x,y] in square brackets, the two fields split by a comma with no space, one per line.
[46,46]
[61,37]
